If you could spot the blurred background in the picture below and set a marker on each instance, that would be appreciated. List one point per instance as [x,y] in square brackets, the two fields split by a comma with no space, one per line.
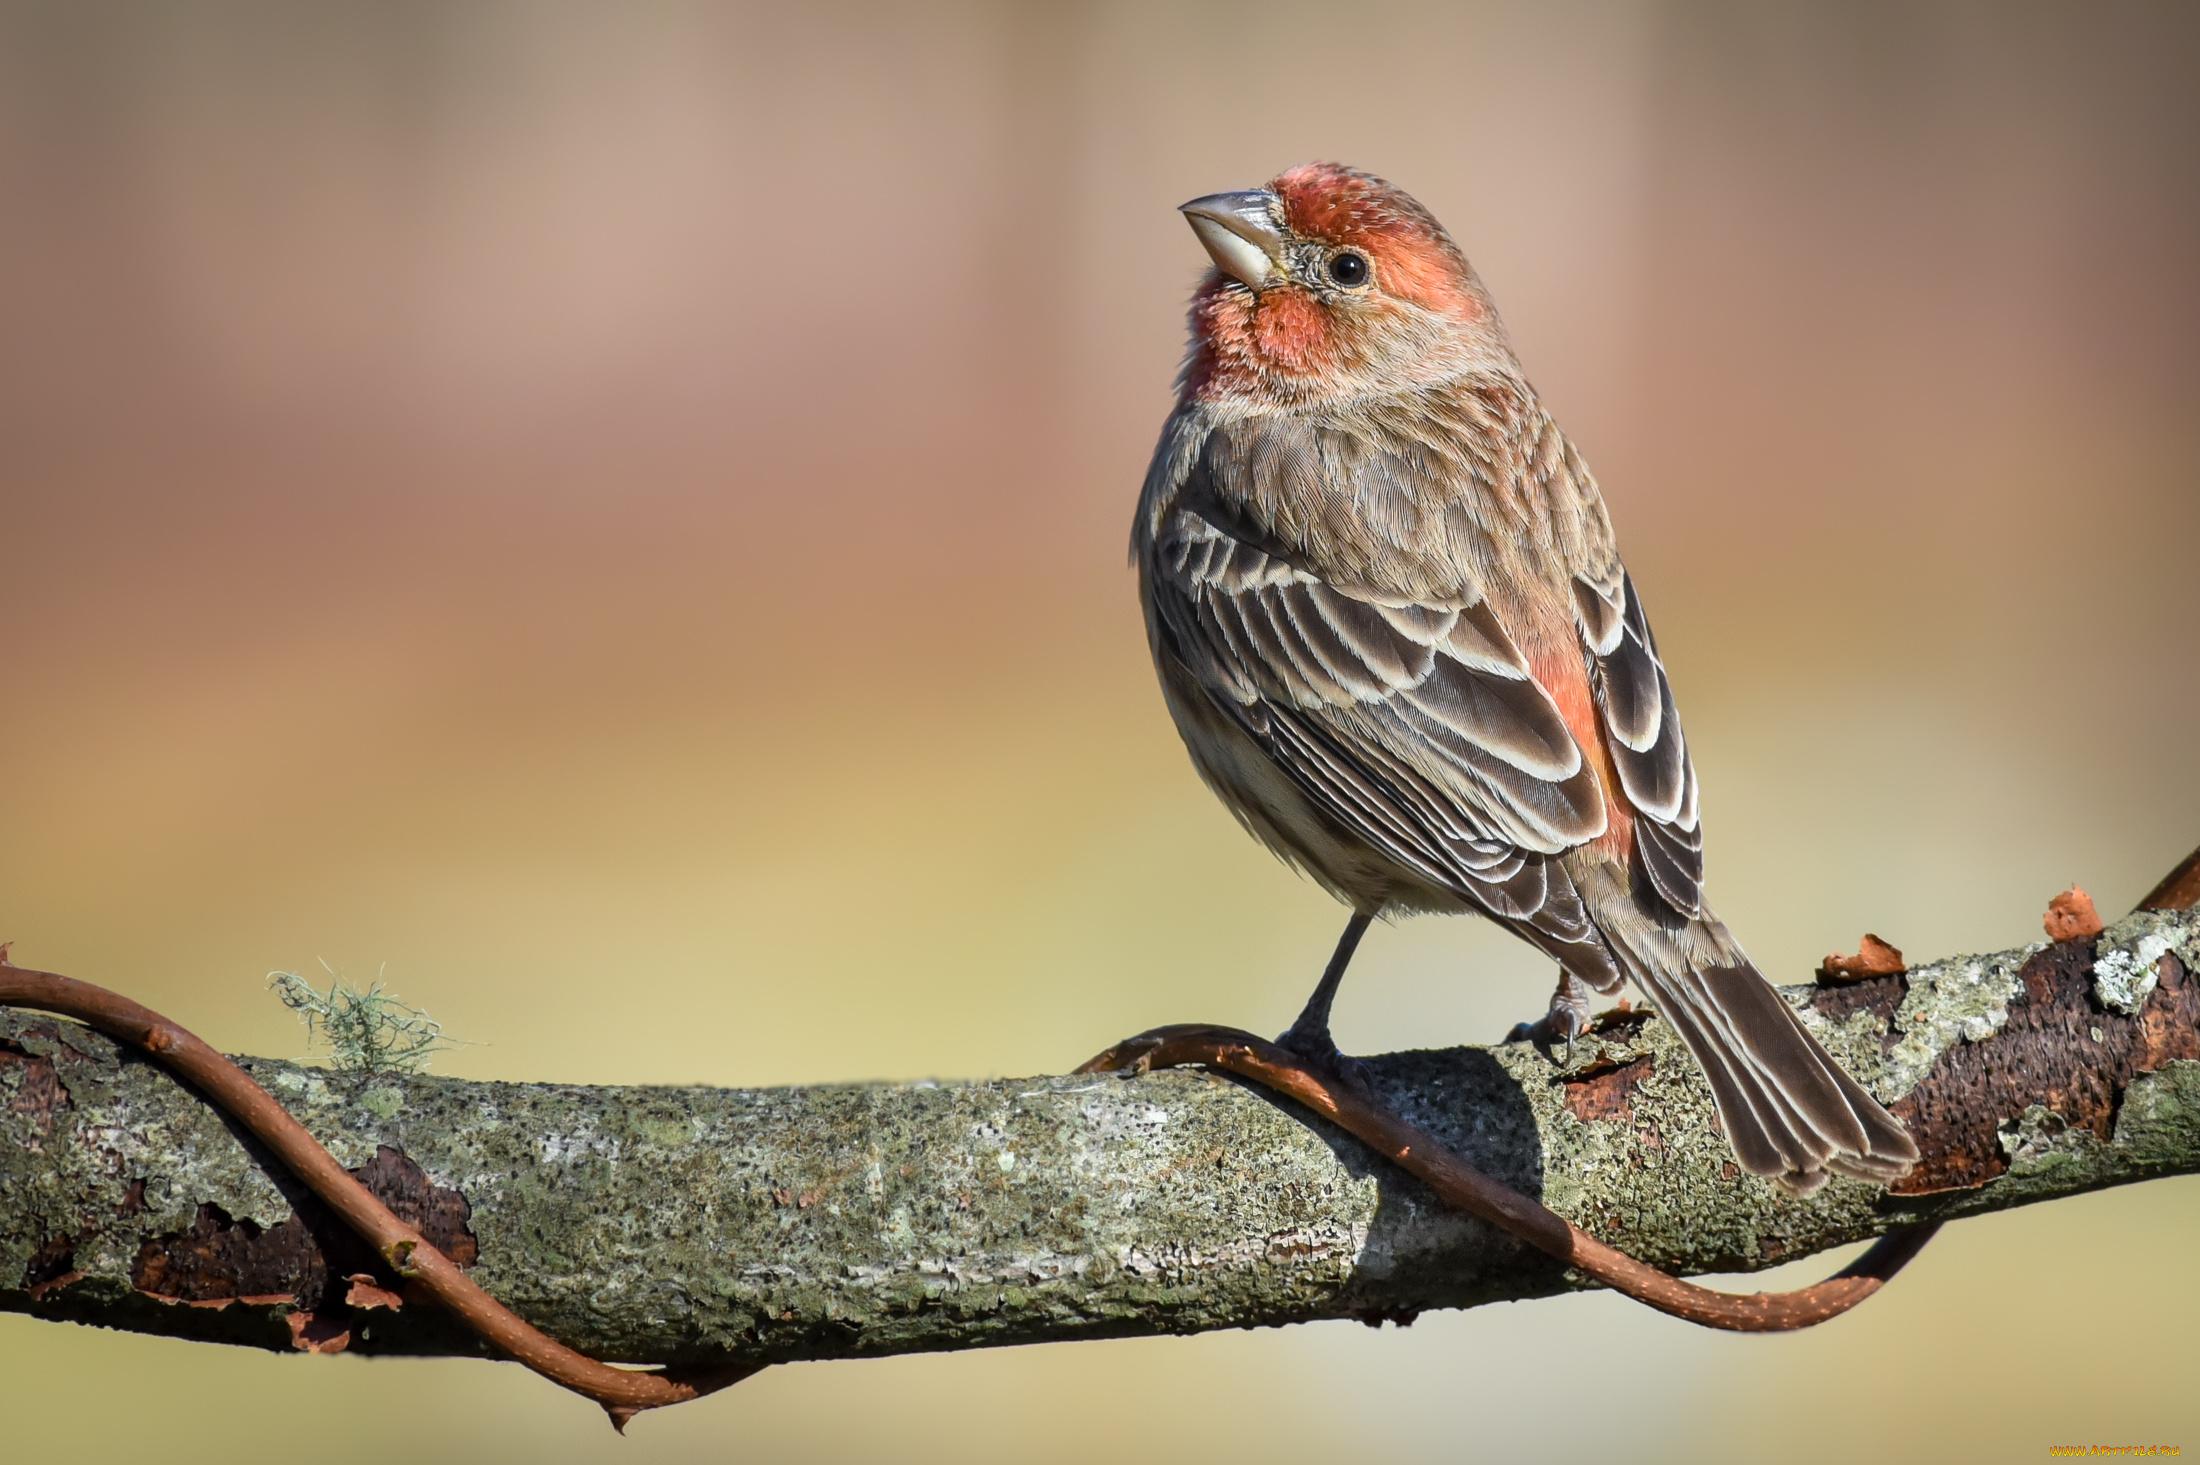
[613,517]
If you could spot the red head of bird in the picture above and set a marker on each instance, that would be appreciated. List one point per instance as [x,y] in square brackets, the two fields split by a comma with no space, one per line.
[1330,284]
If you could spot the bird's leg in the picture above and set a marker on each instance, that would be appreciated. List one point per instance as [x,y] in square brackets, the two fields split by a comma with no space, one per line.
[1566,1021]
[1309,1036]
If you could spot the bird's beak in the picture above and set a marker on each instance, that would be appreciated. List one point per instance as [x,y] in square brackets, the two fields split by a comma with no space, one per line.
[1241,233]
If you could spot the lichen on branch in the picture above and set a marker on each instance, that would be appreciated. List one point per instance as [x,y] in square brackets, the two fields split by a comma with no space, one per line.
[364,1028]
[713,1225]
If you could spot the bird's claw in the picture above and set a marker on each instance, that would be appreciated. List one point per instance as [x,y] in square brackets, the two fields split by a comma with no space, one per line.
[1321,1054]
[1556,1026]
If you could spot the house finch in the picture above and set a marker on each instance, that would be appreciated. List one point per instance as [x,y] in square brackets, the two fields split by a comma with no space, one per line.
[1391,623]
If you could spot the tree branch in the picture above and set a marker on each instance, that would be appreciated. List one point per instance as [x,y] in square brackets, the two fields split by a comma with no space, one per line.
[713,1226]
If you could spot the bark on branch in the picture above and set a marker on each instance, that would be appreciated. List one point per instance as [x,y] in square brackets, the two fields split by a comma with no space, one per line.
[713,1226]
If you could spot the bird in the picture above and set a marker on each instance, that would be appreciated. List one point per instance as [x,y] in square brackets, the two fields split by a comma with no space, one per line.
[1390,620]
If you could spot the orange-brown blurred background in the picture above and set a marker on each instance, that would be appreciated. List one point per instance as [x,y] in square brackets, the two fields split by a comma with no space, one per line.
[617,513]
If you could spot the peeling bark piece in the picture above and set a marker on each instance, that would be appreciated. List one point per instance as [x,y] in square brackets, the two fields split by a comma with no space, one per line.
[2161,1037]
[1880,996]
[218,1259]
[311,1256]
[1874,958]
[1621,1021]
[52,1267]
[37,1291]
[2071,917]
[1608,1093]
[2060,1051]
[311,1333]
[38,1089]
[365,1294]
[440,1215]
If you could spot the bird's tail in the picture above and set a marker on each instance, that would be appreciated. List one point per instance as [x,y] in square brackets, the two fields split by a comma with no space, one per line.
[1790,1111]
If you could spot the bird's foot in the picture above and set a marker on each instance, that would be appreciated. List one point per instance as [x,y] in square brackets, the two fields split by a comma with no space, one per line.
[1567,1019]
[1323,1056]
[1562,1024]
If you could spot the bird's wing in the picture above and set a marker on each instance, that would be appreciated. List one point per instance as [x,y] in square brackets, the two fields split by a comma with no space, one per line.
[1644,734]
[1415,722]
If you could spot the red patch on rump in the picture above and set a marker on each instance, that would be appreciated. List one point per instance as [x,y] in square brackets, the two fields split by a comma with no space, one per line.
[1558,670]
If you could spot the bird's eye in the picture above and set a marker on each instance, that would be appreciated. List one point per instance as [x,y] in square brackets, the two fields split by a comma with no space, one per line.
[1348,268]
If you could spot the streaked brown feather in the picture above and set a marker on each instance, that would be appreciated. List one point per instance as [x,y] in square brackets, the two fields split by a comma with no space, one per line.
[1649,752]
[1414,722]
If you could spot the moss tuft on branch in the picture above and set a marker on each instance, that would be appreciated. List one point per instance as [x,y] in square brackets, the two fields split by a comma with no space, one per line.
[365,1029]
